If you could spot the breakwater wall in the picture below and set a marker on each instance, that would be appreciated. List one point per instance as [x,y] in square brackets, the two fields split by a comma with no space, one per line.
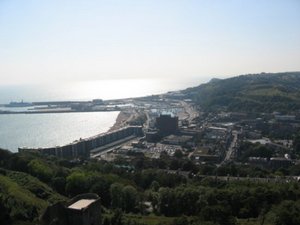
[83,147]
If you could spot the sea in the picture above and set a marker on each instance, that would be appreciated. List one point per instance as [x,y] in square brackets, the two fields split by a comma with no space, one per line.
[54,129]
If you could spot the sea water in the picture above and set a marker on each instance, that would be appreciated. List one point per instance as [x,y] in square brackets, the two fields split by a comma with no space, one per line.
[97,89]
[49,130]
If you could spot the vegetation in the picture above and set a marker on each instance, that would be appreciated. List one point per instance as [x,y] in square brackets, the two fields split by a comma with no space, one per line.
[145,194]
[248,149]
[23,197]
[250,93]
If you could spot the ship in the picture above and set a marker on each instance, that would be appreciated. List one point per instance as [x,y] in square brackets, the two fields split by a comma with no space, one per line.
[19,104]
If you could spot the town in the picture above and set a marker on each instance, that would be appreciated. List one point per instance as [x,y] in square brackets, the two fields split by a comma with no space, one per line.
[171,124]
[225,152]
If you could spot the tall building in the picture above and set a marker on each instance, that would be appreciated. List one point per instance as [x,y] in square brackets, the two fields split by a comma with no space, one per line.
[166,124]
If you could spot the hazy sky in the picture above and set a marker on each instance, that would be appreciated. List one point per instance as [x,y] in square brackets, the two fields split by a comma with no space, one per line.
[58,40]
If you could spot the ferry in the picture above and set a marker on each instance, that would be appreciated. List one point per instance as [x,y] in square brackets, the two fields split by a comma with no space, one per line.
[19,104]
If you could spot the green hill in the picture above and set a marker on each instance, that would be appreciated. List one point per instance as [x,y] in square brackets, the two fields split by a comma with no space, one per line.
[265,92]
[23,197]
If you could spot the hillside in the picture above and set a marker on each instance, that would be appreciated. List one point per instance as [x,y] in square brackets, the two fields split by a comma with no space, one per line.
[265,92]
[23,197]
[175,198]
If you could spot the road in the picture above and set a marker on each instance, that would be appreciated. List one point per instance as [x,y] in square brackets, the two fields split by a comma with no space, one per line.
[231,149]
[95,153]
[189,112]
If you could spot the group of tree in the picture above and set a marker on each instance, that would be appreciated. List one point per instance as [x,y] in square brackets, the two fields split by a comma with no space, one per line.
[127,190]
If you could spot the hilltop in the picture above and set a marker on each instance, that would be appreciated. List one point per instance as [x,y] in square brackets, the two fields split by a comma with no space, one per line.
[265,92]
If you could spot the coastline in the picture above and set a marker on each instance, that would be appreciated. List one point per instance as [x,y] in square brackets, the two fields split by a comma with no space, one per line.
[122,120]
[50,130]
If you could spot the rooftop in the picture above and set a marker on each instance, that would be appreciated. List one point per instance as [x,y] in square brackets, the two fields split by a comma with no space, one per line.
[83,203]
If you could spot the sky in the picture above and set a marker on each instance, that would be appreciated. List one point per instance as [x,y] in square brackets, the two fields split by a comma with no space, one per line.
[61,40]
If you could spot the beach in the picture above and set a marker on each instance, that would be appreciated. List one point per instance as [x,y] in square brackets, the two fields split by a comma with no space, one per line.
[122,120]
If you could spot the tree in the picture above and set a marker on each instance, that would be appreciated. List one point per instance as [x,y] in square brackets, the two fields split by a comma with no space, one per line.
[154,185]
[296,143]
[117,218]
[76,183]
[5,155]
[288,213]
[189,166]
[175,164]
[102,188]
[59,184]
[187,200]
[153,197]
[40,169]
[129,198]
[178,154]
[219,214]
[167,202]
[4,214]
[116,193]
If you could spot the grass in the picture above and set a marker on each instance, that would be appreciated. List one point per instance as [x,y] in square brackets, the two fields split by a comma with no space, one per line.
[24,196]
[20,202]
[20,194]
[35,186]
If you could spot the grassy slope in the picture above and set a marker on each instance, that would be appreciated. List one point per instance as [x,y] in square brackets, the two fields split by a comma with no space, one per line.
[17,197]
[24,196]
[35,186]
